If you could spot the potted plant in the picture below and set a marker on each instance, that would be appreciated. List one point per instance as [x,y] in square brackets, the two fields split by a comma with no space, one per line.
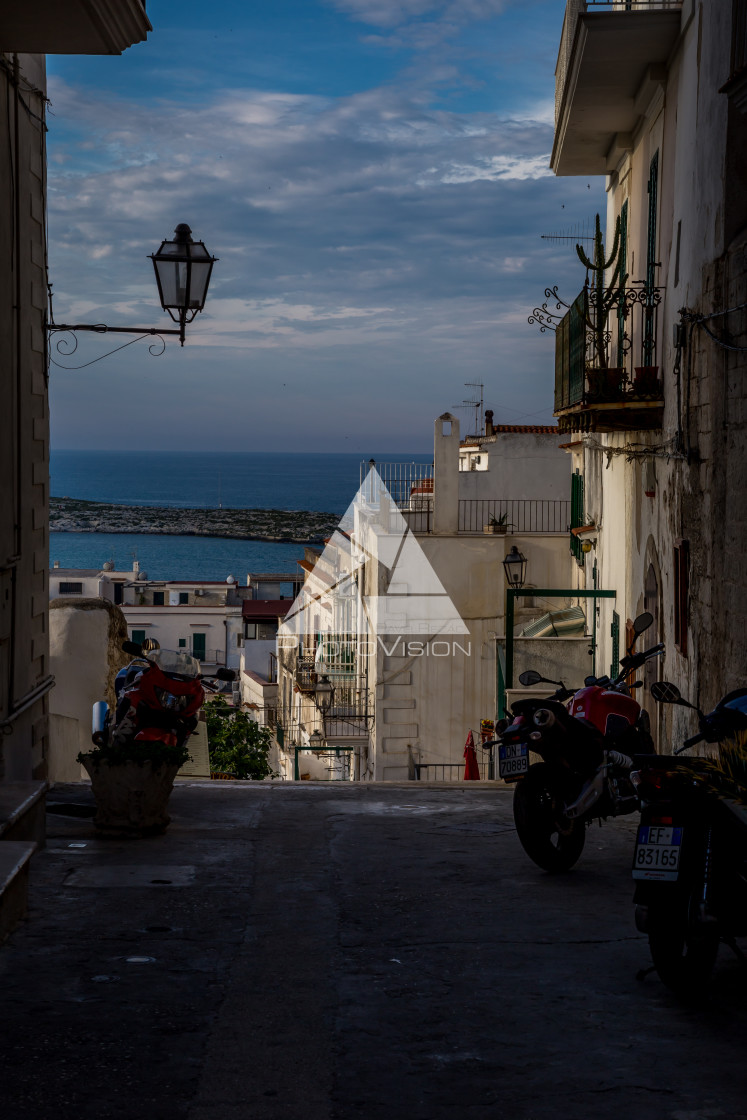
[646,382]
[132,783]
[142,743]
[498,524]
[604,381]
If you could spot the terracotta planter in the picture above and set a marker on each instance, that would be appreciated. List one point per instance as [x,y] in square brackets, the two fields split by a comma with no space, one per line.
[605,384]
[131,797]
[646,380]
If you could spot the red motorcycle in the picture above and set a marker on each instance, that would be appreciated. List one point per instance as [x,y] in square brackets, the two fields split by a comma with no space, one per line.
[585,739]
[158,696]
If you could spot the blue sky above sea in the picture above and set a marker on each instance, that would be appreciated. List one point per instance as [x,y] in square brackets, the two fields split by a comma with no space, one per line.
[372,174]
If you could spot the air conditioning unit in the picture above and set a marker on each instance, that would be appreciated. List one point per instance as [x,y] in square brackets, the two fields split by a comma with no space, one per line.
[199,591]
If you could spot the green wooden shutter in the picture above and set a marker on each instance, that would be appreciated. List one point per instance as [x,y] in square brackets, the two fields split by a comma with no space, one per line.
[198,646]
[577,513]
[138,637]
[623,270]
[649,344]
[615,632]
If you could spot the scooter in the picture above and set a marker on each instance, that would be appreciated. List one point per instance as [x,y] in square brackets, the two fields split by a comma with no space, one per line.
[158,696]
[690,858]
[585,739]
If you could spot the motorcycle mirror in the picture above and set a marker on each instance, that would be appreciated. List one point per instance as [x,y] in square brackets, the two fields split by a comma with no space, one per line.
[666,693]
[589,681]
[642,622]
[132,648]
[226,675]
[530,677]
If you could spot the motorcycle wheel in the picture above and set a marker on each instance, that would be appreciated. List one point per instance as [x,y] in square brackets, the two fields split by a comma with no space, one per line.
[683,951]
[547,836]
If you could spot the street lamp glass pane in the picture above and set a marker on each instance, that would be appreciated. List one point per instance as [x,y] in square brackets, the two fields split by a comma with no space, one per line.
[199,284]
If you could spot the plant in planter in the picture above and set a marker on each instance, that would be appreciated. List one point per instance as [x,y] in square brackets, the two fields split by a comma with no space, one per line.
[646,382]
[140,747]
[498,524]
[604,380]
[132,784]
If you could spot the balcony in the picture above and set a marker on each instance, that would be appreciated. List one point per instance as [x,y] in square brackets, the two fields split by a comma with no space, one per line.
[74,27]
[606,372]
[613,55]
[514,515]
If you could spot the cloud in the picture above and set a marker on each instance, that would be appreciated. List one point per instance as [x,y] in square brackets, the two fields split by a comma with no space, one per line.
[375,249]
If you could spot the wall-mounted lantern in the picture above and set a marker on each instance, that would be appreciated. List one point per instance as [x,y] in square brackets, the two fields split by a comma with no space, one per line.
[183,268]
[515,567]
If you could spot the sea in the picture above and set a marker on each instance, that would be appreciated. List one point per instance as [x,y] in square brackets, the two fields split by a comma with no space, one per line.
[325,482]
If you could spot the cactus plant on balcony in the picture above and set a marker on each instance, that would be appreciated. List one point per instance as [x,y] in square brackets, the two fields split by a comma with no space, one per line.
[602,301]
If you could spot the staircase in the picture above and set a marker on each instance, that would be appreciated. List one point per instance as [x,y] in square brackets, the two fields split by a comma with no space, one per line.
[22,831]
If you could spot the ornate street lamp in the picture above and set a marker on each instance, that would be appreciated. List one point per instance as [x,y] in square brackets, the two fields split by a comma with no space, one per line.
[324,694]
[183,268]
[515,567]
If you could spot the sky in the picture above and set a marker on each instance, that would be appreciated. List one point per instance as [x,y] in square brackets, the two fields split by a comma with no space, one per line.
[373,176]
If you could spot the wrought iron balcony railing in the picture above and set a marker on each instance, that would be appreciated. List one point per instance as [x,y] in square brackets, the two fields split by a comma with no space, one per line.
[607,353]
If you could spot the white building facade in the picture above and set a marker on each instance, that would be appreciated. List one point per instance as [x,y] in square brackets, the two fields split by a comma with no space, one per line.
[652,96]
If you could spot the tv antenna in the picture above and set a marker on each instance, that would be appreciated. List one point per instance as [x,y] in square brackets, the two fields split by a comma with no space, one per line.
[580,232]
[476,403]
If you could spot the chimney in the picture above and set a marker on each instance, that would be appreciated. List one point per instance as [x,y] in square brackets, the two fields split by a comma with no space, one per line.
[56,564]
[489,422]
[136,565]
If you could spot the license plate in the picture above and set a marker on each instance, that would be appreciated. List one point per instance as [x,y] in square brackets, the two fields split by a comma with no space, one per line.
[513,761]
[657,852]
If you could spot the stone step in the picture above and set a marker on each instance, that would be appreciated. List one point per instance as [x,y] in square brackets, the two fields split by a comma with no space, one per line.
[22,811]
[15,857]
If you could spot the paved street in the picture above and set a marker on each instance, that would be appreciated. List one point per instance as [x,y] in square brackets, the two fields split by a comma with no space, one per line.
[319,951]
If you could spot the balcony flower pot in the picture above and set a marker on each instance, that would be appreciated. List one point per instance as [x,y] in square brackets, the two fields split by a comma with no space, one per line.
[498,524]
[646,381]
[131,797]
[605,383]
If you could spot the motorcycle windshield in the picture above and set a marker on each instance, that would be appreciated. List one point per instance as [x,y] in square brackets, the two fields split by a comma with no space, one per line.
[175,661]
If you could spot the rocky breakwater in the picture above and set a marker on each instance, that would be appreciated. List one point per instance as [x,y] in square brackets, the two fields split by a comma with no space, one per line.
[73,515]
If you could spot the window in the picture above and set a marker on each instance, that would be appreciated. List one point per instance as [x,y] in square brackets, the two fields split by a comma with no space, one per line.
[71,588]
[118,588]
[182,643]
[198,646]
[681,594]
[183,597]
[158,598]
[138,637]
[250,630]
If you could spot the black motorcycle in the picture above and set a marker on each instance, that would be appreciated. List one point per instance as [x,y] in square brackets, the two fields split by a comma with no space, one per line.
[586,739]
[690,861]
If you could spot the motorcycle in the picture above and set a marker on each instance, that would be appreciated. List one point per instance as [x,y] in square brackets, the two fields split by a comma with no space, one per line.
[690,859]
[586,739]
[158,696]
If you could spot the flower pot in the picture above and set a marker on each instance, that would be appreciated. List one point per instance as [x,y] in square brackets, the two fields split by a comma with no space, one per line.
[646,381]
[494,528]
[605,384]
[131,797]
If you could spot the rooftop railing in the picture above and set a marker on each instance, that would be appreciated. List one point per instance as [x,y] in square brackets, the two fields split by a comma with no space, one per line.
[514,515]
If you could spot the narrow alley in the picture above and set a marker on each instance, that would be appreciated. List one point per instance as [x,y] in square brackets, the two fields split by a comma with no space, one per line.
[312,951]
